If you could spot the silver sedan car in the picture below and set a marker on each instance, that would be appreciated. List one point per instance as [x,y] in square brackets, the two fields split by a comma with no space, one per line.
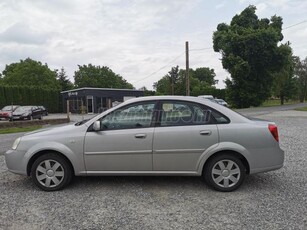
[166,135]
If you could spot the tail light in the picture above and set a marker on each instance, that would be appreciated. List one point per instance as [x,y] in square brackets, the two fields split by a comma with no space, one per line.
[274,131]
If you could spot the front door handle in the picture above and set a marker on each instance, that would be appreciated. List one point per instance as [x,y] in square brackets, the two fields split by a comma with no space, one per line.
[205,132]
[140,136]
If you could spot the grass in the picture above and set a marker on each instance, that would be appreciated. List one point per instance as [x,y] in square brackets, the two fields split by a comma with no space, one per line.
[19,129]
[273,102]
[301,109]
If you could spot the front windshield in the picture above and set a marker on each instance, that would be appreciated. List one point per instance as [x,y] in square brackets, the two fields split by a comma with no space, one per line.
[7,108]
[23,109]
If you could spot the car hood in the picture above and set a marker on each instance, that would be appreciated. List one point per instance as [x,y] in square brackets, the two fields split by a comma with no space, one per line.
[20,113]
[54,130]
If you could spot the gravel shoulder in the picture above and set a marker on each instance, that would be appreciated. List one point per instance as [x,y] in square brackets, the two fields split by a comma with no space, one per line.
[274,200]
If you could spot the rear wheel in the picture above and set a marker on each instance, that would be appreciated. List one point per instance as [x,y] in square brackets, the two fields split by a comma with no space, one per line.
[224,172]
[51,172]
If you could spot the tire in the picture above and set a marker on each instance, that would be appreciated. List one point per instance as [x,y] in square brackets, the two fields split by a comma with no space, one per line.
[51,172]
[224,173]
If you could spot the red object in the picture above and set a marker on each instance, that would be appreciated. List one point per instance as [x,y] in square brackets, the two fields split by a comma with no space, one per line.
[274,131]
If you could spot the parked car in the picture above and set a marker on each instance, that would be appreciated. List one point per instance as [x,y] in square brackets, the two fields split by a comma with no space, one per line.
[44,110]
[200,139]
[27,113]
[222,102]
[6,111]
[208,97]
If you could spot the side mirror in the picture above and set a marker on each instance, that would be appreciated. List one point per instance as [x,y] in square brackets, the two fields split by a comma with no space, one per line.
[96,126]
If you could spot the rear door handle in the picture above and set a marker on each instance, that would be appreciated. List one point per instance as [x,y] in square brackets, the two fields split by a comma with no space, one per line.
[205,132]
[140,136]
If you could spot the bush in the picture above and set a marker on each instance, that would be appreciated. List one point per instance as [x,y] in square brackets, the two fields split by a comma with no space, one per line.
[26,95]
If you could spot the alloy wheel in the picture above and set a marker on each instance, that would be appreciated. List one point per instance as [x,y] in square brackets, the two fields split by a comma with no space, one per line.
[226,173]
[50,173]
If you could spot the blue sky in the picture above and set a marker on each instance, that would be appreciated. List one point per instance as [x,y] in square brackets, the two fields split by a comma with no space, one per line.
[135,38]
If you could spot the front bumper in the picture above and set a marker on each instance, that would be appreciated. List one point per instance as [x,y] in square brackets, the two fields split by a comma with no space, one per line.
[14,160]
[4,116]
[19,117]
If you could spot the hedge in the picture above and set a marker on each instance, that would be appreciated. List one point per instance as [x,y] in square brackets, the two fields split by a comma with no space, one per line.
[24,95]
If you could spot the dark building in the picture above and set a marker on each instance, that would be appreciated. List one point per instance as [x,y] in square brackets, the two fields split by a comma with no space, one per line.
[96,100]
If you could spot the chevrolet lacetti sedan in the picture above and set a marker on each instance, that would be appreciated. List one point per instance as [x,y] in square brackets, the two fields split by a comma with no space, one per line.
[167,135]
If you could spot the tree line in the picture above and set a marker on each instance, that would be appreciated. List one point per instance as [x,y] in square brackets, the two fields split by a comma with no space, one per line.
[259,64]
[31,82]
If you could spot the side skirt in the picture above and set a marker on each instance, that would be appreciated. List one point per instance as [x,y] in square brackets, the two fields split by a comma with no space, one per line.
[138,173]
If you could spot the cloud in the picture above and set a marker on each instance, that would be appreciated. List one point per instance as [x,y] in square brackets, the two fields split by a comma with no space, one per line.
[261,7]
[23,34]
[221,5]
[133,37]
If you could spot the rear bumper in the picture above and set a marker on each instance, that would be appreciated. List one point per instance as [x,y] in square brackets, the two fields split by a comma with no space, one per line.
[270,160]
[267,169]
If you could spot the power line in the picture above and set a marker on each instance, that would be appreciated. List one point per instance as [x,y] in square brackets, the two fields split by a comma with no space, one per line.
[295,24]
[206,48]
[163,67]
[200,49]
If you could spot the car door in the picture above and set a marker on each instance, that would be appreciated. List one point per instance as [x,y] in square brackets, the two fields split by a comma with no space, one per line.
[183,133]
[124,142]
[35,112]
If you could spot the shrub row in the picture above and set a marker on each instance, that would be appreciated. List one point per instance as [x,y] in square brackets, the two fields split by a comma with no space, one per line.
[17,95]
[23,124]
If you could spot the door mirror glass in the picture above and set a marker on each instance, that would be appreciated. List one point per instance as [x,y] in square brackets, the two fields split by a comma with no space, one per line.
[96,126]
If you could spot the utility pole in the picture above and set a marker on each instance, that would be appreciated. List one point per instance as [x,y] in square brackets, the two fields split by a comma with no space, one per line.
[172,79]
[187,78]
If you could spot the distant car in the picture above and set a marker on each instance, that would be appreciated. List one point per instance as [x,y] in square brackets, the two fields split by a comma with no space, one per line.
[6,112]
[222,102]
[44,110]
[27,113]
[206,96]
[162,135]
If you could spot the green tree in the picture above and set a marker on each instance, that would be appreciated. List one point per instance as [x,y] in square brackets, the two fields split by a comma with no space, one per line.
[147,92]
[29,72]
[97,76]
[205,74]
[284,85]
[63,80]
[174,77]
[300,70]
[201,82]
[249,48]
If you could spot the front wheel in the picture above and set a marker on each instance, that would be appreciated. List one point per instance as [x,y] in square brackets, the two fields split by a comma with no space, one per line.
[224,173]
[51,172]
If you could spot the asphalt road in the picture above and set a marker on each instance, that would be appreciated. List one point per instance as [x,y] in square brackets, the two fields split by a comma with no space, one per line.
[274,200]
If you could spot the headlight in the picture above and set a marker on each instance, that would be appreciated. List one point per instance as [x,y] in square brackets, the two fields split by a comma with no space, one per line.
[16,143]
